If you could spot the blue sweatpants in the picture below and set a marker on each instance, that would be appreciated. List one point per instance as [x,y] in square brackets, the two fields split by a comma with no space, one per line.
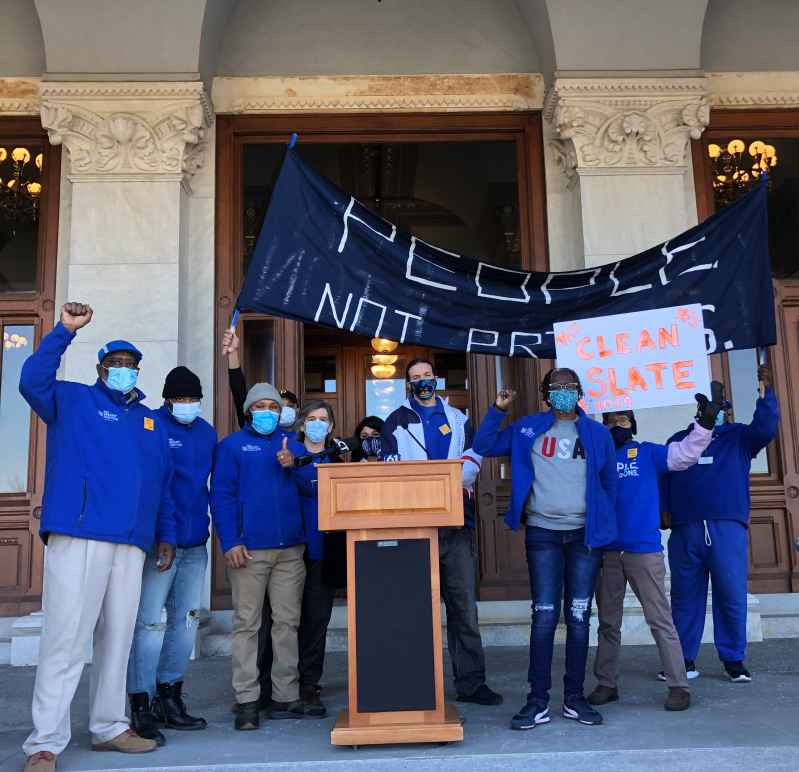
[717,549]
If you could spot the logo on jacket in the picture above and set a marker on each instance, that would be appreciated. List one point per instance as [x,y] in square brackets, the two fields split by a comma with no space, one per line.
[251,448]
[149,424]
[628,469]
[527,431]
[173,443]
[107,415]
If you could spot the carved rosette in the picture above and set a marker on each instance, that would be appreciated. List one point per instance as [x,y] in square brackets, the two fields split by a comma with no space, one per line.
[635,123]
[127,129]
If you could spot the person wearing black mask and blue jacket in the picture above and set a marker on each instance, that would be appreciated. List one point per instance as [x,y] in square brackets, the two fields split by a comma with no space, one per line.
[107,502]
[709,509]
[427,427]
[637,553]
[563,487]
[160,654]
[255,504]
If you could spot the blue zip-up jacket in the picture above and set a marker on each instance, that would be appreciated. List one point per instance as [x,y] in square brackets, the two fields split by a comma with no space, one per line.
[717,488]
[254,501]
[108,473]
[309,502]
[517,441]
[192,448]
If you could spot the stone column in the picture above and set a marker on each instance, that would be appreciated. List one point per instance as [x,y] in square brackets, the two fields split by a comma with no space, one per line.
[130,150]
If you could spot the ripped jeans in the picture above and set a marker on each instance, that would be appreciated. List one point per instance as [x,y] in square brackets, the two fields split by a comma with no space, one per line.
[560,565]
[161,650]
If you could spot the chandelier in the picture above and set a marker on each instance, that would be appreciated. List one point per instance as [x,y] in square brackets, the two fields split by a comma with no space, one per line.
[737,168]
[20,186]
[383,362]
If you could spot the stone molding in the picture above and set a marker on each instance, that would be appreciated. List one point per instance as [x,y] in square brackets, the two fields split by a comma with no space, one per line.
[378,93]
[134,130]
[626,123]
[19,96]
[754,90]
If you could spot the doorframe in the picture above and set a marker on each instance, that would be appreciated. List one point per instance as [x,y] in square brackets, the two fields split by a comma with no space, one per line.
[525,128]
[773,490]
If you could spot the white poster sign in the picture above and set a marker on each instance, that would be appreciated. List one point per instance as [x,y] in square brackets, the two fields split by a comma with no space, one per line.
[637,360]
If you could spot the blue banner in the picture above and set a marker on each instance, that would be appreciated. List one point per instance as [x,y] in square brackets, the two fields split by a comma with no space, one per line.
[323,257]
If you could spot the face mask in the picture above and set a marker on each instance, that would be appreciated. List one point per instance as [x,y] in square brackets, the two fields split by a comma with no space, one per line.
[185,412]
[264,421]
[372,446]
[288,415]
[121,379]
[424,388]
[721,418]
[563,400]
[621,435]
[316,431]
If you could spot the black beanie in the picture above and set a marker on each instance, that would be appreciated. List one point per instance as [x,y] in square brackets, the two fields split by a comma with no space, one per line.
[182,382]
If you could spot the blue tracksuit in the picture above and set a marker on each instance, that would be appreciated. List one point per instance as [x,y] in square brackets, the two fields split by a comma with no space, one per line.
[254,501]
[709,506]
[517,441]
[192,447]
[109,472]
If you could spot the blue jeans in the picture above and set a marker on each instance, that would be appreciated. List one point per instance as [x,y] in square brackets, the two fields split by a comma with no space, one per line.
[160,652]
[560,565]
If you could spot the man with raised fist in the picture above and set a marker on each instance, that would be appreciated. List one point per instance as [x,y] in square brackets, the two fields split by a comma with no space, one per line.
[106,503]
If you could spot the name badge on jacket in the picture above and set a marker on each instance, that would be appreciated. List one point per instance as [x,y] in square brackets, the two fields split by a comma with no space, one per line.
[705,460]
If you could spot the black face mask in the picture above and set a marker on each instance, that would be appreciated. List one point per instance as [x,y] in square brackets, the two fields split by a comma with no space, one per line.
[424,388]
[621,435]
[372,446]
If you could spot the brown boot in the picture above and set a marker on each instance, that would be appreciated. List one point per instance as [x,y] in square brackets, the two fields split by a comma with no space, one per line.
[678,699]
[127,742]
[42,761]
[603,695]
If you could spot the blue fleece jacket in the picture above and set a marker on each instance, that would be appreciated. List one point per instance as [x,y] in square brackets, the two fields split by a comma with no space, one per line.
[517,441]
[309,502]
[254,501]
[717,488]
[109,472]
[639,465]
[192,448]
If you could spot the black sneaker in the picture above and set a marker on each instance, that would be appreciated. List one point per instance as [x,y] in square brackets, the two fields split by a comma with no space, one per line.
[690,671]
[283,710]
[737,673]
[533,713]
[312,702]
[247,716]
[481,696]
[578,709]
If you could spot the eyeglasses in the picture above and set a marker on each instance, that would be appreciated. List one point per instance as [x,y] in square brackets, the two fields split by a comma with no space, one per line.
[564,386]
[622,420]
[120,363]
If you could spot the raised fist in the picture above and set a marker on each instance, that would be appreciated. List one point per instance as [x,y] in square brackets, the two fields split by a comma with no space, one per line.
[504,398]
[75,315]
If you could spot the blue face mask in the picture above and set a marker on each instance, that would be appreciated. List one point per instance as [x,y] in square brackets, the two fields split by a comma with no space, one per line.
[264,421]
[563,400]
[185,412]
[121,379]
[316,431]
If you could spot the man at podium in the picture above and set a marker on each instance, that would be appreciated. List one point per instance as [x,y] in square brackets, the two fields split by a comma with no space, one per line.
[426,427]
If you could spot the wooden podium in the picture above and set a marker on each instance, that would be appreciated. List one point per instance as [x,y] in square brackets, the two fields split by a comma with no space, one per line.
[391,513]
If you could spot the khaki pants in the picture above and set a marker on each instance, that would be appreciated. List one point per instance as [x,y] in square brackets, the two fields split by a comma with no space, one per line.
[281,574]
[646,572]
[91,588]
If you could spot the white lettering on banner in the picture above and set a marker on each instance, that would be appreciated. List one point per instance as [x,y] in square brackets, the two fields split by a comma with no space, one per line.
[669,255]
[545,287]
[409,266]
[537,342]
[358,315]
[630,290]
[470,342]
[523,287]
[327,293]
[710,336]
[405,323]
[349,216]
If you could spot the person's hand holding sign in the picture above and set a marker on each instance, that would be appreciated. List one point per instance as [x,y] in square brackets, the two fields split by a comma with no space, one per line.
[284,455]
[708,409]
[504,398]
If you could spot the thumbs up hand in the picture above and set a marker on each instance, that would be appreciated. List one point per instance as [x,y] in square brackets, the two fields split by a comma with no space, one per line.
[284,456]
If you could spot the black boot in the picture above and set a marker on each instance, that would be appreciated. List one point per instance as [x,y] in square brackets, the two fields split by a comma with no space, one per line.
[170,710]
[142,718]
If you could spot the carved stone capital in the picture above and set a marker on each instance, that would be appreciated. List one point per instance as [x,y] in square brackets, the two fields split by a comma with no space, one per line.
[128,130]
[629,123]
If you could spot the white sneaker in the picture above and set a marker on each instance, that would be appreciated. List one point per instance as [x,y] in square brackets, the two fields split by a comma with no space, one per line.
[690,671]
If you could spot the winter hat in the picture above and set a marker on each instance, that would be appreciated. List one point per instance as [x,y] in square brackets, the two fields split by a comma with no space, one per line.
[261,391]
[182,382]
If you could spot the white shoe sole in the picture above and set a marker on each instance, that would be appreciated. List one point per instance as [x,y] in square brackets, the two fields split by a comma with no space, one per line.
[575,716]
[741,679]
[691,674]
[539,718]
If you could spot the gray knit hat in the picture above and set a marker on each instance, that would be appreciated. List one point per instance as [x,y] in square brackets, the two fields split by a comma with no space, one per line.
[261,391]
